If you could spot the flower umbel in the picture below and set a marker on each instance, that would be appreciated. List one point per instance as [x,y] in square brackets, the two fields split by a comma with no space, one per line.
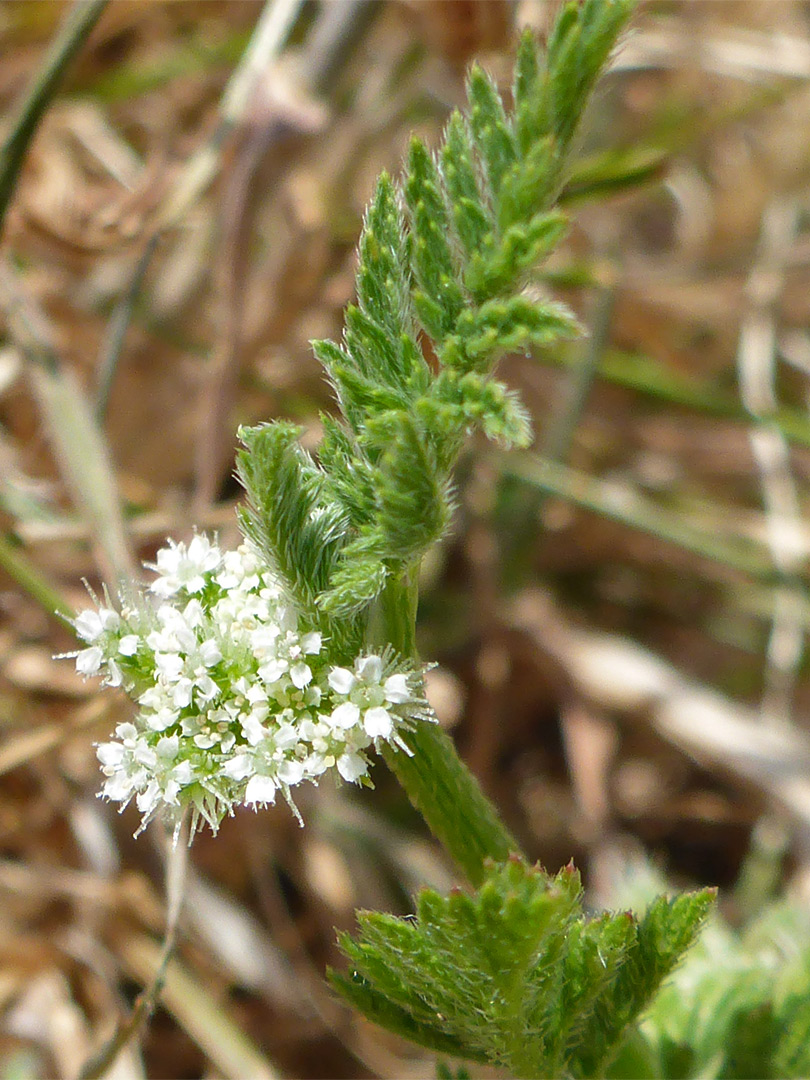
[238,698]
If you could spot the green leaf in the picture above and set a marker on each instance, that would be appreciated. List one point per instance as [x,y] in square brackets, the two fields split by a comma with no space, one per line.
[530,185]
[500,326]
[577,51]
[288,516]
[492,131]
[472,218]
[527,89]
[515,974]
[520,249]
[439,299]
[470,400]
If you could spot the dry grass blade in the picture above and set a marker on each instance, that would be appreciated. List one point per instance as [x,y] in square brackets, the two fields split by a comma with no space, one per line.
[18,567]
[100,1063]
[231,1052]
[618,674]
[85,463]
[80,21]
[272,29]
[20,749]
[627,506]
[757,367]
[77,442]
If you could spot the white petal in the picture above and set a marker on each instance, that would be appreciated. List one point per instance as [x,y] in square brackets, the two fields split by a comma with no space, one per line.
[311,643]
[341,680]
[260,789]
[89,660]
[118,788]
[148,799]
[396,689]
[168,746]
[169,558]
[181,693]
[110,620]
[193,613]
[301,675]
[368,668]
[164,586]
[286,736]
[291,772]
[351,767]
[273,670]
[110,754]
[239,767]
[170,792]
[169,666]
[210,653]
[377,723]
[254,732]
[160,719]
[315,764]
[207,689]
[182,773]
[87,625]
[114,674]
[144,755]
[345,716]
[128,645]
[153,698]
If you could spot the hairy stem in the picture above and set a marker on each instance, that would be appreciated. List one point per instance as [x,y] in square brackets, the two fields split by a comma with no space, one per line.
[436,780]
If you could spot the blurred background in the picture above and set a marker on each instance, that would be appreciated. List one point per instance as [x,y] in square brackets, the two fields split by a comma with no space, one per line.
[618,617]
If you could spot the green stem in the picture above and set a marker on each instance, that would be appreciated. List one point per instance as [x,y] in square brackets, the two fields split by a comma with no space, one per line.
[436,780]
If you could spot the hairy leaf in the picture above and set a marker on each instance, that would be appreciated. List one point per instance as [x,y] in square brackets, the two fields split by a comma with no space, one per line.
[515,974]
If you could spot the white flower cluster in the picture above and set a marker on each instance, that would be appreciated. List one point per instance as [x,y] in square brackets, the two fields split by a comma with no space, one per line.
[238,700]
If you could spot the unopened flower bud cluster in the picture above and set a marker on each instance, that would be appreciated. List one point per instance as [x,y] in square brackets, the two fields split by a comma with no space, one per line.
[238,700]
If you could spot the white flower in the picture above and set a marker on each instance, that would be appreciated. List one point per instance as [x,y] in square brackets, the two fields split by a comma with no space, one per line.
[272,671]
[182,567]
[168,746]
[312,643]
[290,772]
[210,653]
[149,798]
[115,676]
[169,666]
[111,756]
[161,719]
[119,787]
[238,698]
